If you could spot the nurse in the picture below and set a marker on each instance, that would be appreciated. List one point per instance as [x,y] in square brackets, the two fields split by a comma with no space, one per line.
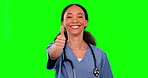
[74,53]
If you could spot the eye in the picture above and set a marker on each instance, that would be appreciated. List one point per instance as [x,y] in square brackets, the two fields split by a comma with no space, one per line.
[80,16]
[69,17]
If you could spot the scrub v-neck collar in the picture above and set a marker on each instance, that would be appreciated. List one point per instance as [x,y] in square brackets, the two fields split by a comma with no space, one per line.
[73,56]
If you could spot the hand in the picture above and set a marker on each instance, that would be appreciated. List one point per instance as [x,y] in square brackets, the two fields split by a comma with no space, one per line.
[56,49]
[60,41]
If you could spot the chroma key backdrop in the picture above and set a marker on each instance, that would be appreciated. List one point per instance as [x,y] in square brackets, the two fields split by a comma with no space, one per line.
[120,28]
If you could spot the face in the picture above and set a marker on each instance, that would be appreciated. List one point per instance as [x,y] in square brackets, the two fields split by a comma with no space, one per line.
[74,20]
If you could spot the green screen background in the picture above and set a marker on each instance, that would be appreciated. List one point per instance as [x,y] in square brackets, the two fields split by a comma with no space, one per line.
[28,26]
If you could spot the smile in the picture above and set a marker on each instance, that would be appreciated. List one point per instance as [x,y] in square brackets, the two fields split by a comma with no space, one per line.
[75,26]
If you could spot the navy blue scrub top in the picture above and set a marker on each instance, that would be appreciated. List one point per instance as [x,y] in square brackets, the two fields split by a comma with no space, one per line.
[83,68]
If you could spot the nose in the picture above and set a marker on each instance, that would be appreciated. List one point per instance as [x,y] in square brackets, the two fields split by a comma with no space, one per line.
[75,20]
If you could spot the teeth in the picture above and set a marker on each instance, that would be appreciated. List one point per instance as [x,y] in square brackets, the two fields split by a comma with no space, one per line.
[75,27]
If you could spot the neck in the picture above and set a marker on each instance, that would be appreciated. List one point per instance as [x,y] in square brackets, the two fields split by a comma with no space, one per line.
[76,42]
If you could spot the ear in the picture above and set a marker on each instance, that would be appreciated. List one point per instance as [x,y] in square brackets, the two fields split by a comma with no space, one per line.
[86,23]
[63,24]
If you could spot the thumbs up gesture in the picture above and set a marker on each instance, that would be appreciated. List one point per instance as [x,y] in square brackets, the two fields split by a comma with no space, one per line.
[62,31]
[56,49]
[60,41]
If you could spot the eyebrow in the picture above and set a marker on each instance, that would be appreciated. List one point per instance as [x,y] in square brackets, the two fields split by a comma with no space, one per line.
[78,14]
[69,13]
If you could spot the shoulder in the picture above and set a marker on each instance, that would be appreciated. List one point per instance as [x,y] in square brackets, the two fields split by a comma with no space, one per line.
[97,51]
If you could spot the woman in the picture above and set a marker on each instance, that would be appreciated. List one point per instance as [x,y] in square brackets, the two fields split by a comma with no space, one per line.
[73,54]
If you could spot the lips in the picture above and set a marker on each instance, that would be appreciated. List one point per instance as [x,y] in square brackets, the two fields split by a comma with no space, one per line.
[75,26]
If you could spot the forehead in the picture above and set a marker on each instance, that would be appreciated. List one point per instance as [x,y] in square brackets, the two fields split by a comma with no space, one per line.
[74,10]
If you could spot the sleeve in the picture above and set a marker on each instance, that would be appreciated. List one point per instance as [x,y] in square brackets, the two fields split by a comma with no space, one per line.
[50,63]
[105,69]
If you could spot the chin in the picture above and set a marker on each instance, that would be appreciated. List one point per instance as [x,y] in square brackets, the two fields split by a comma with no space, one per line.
[75,32]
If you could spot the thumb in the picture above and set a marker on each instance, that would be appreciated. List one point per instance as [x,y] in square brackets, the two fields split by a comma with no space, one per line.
[62,30]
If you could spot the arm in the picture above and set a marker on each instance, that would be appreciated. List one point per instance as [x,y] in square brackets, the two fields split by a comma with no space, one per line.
[105,69]
[54,50]
[53,53]
[50,62]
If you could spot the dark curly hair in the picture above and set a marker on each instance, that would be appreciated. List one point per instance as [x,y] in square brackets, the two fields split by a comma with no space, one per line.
[88,38]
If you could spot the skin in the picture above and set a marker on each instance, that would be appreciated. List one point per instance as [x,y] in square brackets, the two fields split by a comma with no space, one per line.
[74,16]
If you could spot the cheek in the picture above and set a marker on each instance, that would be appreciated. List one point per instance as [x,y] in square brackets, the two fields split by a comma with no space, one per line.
[82,21]
[67,22]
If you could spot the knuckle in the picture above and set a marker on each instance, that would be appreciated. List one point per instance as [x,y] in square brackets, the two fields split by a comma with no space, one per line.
[56,40]
[59,37]
[63,42]
[64,38]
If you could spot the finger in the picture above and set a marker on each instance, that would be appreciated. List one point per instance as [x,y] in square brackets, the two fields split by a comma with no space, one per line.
[60,45]
[62,30]
[61,38]
[60,41]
